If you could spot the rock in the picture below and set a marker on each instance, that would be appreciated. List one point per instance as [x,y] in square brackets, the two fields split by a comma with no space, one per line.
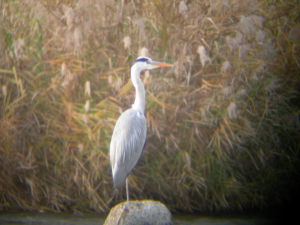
[145,212]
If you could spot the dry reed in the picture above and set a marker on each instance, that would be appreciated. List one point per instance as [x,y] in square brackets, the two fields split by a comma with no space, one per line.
[222,125]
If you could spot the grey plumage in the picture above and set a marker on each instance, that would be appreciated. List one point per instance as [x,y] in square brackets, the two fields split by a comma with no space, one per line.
[127,141]
[129,134]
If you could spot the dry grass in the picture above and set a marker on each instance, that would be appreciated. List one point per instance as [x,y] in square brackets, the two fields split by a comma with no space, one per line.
[220,124]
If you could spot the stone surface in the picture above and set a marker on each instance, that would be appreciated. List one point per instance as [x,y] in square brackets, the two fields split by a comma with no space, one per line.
[145,212]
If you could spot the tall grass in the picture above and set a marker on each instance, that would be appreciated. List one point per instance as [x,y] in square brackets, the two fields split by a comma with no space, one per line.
[222,125]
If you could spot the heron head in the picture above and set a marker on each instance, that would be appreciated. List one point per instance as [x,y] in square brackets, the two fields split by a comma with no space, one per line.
[145,63]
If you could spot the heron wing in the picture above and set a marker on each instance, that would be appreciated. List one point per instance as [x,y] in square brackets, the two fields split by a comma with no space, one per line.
[127,143]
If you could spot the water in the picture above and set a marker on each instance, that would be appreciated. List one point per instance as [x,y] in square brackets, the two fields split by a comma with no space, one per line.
[92,219]
[49,219]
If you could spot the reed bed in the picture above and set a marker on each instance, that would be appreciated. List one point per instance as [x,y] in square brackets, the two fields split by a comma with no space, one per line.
[222,124]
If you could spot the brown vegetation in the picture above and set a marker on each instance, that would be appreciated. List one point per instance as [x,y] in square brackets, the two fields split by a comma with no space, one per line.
[222,126]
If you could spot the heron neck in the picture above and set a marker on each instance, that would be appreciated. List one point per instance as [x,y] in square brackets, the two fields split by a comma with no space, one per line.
[139,102]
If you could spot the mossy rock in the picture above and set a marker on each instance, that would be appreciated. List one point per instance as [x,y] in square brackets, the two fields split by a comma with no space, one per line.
[145,212]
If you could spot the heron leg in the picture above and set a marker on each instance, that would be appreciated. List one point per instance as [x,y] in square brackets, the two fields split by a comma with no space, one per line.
[127,190]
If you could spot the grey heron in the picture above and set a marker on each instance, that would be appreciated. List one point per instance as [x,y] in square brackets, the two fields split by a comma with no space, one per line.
[129,134]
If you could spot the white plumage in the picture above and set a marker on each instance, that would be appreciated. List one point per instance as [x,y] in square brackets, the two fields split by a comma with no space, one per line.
[129,134]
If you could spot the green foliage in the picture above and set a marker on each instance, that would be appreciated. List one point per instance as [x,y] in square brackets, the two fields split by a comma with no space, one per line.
[220,136]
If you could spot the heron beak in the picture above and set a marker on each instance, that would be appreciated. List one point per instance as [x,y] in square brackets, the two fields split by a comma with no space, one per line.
[156,64]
